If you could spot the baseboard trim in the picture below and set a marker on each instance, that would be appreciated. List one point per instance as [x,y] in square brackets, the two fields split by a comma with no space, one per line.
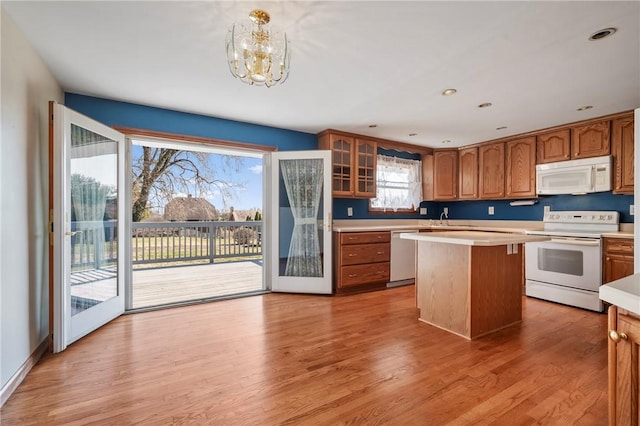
[22,372]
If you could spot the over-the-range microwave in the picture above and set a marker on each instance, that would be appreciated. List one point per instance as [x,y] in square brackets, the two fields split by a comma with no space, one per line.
[574,176]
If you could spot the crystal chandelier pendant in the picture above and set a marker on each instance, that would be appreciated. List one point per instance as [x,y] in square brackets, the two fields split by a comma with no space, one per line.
[255,54]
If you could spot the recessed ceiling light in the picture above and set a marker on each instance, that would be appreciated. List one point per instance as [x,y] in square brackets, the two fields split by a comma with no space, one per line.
[446,141]
[373,125]
[582,108]
[413,134]
[599,35]
[485,105]
[501,128]
[449,92]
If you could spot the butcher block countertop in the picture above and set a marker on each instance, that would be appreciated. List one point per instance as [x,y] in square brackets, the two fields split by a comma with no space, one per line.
[624,293]
[473,238]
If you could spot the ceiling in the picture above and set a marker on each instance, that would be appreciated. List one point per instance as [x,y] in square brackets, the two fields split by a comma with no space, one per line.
[355,64]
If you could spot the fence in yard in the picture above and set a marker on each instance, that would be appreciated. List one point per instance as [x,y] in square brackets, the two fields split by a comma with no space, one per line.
[166,242]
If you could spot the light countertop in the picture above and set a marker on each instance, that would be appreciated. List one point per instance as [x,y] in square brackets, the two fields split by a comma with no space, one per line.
[620,234]
[624,293]
[473,238]
[416,225]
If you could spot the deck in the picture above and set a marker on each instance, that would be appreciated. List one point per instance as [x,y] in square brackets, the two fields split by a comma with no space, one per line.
[162,286]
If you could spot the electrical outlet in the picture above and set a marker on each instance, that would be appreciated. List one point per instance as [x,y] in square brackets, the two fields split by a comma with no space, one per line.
[547,209]
[349,211]
[423,210]
[632,210]
[491,210]
[446,211]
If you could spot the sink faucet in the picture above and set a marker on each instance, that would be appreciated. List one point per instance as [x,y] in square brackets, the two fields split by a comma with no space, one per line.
[446,216]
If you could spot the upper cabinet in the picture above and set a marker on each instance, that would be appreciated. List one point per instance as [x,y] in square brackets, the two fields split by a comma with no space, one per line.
[554,146]
[353,164]
[491,170]
[591,140]
[468,175]
[521,167]
[623,155]
[365,179]
[445,175]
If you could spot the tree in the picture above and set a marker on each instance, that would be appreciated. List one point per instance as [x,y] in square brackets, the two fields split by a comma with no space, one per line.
[160,173]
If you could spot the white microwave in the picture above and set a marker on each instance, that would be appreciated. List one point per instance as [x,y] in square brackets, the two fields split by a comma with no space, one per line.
[574,177]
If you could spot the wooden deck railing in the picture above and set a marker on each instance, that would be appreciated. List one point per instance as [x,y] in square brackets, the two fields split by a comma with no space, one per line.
[166,242]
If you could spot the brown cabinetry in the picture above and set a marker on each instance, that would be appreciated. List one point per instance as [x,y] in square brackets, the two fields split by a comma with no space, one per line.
[362,260]
[468,175]
[623,154]
[554,146]
[521,167]
[491,170]
[445,175]
[624,362]
[618,259]
[353,164]
[591,140]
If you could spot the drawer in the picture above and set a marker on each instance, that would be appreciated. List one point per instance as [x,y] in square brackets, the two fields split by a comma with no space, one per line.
[365,253]
[364,274]
[364,237]
[618,245]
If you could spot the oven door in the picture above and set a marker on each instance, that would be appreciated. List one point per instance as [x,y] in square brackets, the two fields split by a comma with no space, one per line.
[571,262]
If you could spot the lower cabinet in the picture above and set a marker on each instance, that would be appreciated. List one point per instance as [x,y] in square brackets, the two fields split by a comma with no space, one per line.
[362,260]
[624,363]
[618,259]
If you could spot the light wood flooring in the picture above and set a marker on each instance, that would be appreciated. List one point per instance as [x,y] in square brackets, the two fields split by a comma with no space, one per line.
[314,360]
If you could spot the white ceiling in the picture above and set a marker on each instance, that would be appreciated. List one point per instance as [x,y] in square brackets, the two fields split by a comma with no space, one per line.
[355,63]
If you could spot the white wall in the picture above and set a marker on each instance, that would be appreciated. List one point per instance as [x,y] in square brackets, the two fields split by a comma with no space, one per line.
[26,87]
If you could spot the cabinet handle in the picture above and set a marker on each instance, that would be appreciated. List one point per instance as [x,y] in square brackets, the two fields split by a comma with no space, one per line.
[352,238]
[352,254]
[379,236]
[615,336]
[353,275]
[380,252]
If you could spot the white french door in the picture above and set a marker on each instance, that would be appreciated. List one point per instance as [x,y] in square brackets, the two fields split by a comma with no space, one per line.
[300,221]
[88,225]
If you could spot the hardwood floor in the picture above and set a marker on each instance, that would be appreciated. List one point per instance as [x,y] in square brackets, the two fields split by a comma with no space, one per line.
[299,360]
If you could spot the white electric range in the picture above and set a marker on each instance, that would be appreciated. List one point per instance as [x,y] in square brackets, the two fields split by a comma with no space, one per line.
[568,268]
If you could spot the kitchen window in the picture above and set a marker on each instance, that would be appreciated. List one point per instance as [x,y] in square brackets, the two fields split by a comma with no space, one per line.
[399,184]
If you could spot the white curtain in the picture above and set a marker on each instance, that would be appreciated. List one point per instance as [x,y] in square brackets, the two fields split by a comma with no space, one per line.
[303,183]
[399,183]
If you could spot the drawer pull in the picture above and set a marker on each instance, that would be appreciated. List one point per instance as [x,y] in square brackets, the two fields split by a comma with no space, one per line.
[352,254]
[353,275]
[379,236]
[380,252]
[352,238]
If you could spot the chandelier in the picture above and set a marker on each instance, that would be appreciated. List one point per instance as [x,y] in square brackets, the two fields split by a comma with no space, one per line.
[257,56]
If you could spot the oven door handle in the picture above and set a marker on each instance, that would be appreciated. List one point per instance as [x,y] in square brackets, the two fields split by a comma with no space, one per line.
[593,243]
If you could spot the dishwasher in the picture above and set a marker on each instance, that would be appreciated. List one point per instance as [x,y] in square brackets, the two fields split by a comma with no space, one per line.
[403,259]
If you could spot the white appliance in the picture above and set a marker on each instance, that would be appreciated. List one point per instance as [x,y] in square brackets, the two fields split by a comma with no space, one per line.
[575,176]
[568,268]
[403,259]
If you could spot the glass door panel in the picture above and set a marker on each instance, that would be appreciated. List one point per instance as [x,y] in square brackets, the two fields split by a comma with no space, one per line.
[301,214]
[88,214]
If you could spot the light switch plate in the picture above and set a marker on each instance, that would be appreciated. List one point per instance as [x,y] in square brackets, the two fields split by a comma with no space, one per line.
[547,209]
[446,211]
[632,210]
[491,210]
[423,210]
[349,211]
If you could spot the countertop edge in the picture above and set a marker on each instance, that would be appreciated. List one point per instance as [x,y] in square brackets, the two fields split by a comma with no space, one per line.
[458,237]
[618,293]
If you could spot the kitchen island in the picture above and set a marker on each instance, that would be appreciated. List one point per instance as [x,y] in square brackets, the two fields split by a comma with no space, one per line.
[470,282]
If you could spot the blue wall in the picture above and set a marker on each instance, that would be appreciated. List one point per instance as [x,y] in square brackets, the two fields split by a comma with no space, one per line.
[115,113]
